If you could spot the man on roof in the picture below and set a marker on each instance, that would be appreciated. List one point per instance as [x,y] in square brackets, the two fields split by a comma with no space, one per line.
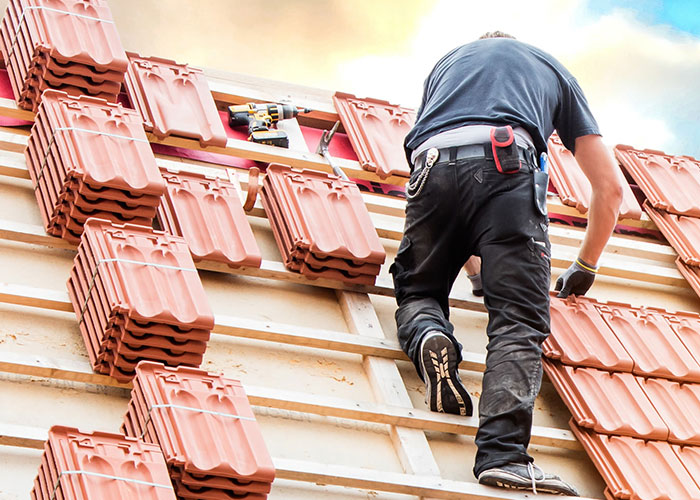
[477,188]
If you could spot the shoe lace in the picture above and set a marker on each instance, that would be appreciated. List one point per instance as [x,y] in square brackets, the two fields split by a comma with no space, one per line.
[531,471]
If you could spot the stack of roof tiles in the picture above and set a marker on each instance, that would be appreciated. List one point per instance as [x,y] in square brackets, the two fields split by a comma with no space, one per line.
[173,99]
[82,466]
[69,45]
[574,188]
[631,378]
[208,213]
[672,186]
[90,158]
[321,225]
[137,295]
[376,130]
[206,429]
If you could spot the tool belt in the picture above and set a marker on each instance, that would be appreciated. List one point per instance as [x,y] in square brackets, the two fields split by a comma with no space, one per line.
[482,150]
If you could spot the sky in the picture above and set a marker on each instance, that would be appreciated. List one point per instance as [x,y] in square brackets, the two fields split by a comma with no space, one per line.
[638,61]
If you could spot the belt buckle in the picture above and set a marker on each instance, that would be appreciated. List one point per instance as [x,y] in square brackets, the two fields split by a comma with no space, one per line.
[431,157]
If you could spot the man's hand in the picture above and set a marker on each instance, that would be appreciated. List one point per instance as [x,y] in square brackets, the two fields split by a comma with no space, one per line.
[575,280]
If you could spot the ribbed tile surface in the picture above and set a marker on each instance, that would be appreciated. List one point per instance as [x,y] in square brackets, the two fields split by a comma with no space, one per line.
[690,273]
[580,337]
[68,45]
[574,188]
[638,469]
[208,213]
[137,296]
[106,142]
[678,405]
[167,289]
[687,327]
[206,429]
[671,183]
[174,99]
[321,225]
[376,130]
[690,456]
[90,158]
[609,403]
[651,342]
[683,233]
[75,463]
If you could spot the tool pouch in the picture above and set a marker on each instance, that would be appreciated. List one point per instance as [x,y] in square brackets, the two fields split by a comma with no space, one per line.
[505,150]
[540,184]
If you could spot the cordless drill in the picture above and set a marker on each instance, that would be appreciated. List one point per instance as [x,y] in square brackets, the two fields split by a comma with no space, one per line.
[260,118]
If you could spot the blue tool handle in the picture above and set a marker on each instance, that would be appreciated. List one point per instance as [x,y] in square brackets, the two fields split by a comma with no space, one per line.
[543,162]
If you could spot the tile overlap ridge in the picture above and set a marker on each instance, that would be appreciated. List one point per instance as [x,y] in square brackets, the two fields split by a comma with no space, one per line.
[622,410]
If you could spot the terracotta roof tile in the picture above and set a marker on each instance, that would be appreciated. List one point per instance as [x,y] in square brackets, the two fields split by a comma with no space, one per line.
[690,273]
[73,462]
[376,130]
[690,457]
[682,232]
[174,99]
[206,429]
[137,296]
[90,158]
[581,337]
[321,225]
[671,183]
[171,293]
[208,213]
[678,404]
[609,403]
[638,469]
[652,343]
[41,50]
[687,327]
[574,188]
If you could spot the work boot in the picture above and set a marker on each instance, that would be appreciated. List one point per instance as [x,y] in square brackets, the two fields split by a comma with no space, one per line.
[444,391]
[526,477]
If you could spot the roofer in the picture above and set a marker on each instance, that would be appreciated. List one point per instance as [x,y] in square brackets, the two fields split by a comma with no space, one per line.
[488,108]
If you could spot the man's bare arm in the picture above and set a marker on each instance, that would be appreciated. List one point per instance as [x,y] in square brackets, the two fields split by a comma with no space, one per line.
[606,179]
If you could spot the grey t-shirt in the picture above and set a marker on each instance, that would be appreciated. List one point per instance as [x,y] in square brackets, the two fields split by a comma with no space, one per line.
[501,81]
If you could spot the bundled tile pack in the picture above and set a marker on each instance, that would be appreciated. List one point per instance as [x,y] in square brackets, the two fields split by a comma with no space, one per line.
[137,295]
[69,45]
[207,213]
[321,225]
[82,466]
[206,430]
[90,158]
[173,99]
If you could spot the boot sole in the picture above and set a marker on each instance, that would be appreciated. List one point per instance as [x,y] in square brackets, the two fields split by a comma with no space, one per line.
[439,365]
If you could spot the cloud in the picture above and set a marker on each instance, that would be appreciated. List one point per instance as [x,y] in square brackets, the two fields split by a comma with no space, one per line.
[641,80]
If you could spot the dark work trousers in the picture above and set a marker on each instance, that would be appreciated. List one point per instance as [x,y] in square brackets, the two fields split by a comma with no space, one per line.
[469,208]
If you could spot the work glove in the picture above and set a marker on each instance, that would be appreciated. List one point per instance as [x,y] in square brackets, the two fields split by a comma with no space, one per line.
[576,280]
[477,287]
